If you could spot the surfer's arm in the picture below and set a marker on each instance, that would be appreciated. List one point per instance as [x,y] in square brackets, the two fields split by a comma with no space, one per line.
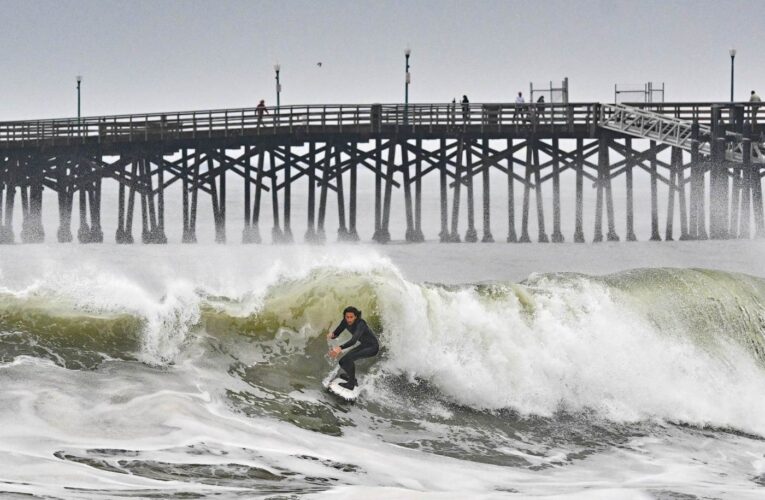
[355,338]
[339,329]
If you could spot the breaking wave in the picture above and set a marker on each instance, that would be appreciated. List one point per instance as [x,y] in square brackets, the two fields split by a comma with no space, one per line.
[650,344]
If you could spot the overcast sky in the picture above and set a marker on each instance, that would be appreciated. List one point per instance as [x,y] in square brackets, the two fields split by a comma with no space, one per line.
[142,56]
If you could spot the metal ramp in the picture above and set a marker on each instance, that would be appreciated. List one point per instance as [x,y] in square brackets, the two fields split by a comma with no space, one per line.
[669,130]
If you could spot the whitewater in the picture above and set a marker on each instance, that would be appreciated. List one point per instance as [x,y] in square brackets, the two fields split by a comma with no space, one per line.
[620,370]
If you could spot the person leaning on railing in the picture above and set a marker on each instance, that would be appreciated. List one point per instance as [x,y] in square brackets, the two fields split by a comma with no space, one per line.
[755,99]
[261,108]
[540,108]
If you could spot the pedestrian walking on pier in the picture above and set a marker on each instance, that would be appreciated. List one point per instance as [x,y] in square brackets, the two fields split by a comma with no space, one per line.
[453,112]
[520,103]
[261,109]
[465,109]
[755,99]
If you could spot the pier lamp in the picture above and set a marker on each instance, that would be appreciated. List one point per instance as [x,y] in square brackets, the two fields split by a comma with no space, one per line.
[79,82]
[732,58]
[408,80]
[277,68]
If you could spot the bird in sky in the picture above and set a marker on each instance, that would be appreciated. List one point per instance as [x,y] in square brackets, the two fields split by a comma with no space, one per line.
[318,64]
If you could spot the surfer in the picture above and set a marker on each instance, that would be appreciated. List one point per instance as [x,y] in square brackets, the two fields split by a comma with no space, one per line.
[361,333]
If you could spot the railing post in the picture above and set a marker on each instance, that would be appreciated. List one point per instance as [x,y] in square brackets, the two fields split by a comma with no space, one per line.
[376,118]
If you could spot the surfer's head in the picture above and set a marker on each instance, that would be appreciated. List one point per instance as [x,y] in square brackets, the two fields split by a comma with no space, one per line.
[351,314]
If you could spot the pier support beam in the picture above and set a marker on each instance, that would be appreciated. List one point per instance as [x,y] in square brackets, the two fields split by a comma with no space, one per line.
[671,188]
[277,235]
[379,175]
[384,236]
[629,165]
[511,236]
[6,218]
[321,234]
[123,234]
[578,230]
[310,232]
[410,235]
[756,186]
[542,235]
[654,195]
[65,201]
[418,235]
[602,160]
[342,229]
[287,236]
[151,230]
[744,228]
[471,235]
[612,236]
[697,219]
[443,235]
[259,176]
[455,235]
[486,198]
[32,229]
[526,194]
[248,235]
[557,236]
[718,192]
[187,236]
[353,234]
[681,197]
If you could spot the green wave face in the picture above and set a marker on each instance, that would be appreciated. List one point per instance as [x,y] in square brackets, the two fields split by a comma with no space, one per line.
[699,306]
[314,301]
[65,335]
[703,306]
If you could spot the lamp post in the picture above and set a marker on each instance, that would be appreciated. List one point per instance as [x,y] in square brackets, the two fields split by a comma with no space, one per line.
[408,79]
[79,82]
[277,68]
[732,58]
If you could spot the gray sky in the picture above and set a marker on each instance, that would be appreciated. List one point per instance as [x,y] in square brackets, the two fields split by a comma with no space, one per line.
[141,56]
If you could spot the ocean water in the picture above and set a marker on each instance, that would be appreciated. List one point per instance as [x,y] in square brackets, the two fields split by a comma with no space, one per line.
[550,371]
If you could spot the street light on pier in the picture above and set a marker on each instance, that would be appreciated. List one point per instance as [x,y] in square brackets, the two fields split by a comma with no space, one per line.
[732,58]
[79,82]
[277,68]
[408,80]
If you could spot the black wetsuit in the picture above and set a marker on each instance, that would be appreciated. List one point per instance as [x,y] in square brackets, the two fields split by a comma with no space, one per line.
[368,346]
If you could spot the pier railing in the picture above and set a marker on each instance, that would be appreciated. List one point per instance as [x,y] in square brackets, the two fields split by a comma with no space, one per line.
[336,118]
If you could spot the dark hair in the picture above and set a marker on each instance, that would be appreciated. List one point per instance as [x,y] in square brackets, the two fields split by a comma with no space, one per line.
[351,309]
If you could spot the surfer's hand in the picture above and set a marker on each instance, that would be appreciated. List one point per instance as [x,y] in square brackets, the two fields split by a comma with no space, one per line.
[335,352]
[329,335]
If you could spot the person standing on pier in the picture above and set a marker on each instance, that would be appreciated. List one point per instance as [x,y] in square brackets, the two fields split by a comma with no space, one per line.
[540,108]
[261,109]
[755,99]
[465,109]
[519,105]
[361,333]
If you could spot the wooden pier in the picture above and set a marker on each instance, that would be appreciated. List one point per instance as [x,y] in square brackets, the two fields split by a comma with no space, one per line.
[324,149]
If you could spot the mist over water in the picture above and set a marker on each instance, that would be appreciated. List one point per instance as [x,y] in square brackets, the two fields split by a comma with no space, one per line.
[180,371]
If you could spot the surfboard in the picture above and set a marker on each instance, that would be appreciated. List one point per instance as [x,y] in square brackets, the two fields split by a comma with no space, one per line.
[332,384]
[342,392]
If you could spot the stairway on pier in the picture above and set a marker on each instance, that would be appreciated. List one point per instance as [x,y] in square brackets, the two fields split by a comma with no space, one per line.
[672,131]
